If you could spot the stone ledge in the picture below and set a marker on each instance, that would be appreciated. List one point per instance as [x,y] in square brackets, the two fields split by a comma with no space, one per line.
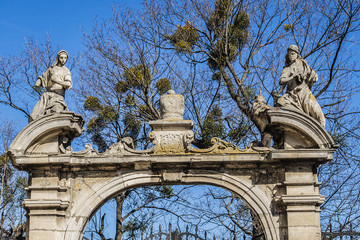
[46,188]
[46,204]
[302,154]
[68,160]
[138,162]
[289,200]
[316,184]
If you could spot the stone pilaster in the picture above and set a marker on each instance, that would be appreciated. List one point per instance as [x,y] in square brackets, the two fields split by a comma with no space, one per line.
[46,205]
[302,203]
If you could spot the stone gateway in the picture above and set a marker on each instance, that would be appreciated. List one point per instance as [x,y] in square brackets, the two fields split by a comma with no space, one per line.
[66,187]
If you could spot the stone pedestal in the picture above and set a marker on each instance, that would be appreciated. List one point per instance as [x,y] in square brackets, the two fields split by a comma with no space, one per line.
[171,134]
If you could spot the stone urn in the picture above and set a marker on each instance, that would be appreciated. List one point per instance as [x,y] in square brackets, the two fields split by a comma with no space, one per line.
[172,106]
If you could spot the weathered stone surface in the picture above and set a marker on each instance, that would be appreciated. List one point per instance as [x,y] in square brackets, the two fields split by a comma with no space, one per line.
[55,80]
[298,78]
[280,185]
[295,130]
[172,106]
[48,135]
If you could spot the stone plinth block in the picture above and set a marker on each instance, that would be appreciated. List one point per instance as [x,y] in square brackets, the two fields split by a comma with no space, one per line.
[171,136]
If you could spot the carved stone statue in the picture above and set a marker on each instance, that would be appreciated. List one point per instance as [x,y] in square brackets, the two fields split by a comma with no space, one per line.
[56,80]
[298,78]
[259,109]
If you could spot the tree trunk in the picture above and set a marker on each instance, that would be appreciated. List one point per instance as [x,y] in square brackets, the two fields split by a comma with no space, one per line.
[119,218]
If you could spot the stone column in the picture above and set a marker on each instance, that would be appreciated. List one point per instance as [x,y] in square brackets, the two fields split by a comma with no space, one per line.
[302,202]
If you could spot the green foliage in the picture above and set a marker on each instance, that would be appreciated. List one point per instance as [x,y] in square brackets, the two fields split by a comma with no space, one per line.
[109,114]
[212,127]
[251,93]
[130,101]
[287,27]
[95,124]
[339,139]
[166,191]
[163,85]
[104,115]
[92,104]
[217,76]
[220,53]
[184,38]
[98,123]
[132,125]
[238,132]
[136,77]
[227,46]
[219,15]
[239,28]
[146,113]
[121,87]
[13,193]
[99,140]
[21,182]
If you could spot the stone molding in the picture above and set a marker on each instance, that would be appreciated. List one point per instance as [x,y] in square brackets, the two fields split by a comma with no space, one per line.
[113,161]
[300,128]
[46,204]
[52,131]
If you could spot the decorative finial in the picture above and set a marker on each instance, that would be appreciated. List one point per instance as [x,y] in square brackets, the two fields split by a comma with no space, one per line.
[172,106]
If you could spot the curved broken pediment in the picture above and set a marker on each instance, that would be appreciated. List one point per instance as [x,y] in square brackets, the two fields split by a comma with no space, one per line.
[50,134]
[294,129]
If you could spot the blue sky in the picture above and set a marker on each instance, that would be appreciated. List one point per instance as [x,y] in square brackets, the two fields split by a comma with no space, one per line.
[63,20]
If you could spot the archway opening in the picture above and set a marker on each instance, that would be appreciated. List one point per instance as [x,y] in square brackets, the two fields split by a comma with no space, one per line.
[175,212]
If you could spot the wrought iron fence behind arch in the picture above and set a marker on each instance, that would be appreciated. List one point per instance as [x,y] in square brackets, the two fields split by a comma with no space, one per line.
[170,234]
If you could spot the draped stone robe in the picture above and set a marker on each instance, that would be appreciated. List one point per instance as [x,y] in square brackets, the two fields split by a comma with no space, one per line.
[299,78]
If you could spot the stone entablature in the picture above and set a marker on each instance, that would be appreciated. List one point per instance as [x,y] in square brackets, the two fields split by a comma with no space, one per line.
[130,160]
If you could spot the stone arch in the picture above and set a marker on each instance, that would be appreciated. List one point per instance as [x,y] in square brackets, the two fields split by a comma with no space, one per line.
[85,206]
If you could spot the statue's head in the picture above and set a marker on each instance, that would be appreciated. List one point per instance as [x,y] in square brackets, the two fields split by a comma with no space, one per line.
[61,58]
[292,54]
